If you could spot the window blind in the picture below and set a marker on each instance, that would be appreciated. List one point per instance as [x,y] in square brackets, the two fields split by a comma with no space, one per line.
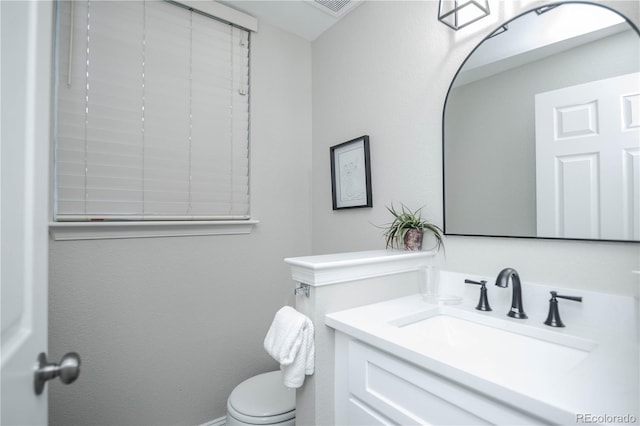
[152,117]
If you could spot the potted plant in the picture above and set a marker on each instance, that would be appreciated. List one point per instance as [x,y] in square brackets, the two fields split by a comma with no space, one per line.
[409,227]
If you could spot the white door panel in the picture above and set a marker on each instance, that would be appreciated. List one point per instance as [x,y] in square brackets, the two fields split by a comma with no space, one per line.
[631,208]
[26,31]
[587,144]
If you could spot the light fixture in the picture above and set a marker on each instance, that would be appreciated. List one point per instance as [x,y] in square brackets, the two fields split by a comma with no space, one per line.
[458,14]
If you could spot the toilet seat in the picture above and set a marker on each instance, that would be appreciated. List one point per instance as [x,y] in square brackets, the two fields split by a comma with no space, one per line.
[262,400]
[251,420]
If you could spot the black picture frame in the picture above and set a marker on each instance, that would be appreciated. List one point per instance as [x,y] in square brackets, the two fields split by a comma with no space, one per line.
[351,174]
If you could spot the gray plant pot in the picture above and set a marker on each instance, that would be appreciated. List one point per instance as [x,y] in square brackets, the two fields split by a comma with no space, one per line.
[413,239]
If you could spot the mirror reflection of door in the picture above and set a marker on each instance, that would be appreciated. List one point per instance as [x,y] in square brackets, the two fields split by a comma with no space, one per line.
[489,134]
[588,160]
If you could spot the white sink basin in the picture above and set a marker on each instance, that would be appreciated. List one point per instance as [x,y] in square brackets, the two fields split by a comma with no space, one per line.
[497,350]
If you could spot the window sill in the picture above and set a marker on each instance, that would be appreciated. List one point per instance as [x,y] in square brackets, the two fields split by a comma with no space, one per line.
[67,231]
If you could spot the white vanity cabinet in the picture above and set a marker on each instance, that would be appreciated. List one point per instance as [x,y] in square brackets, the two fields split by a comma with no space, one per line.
[374,387]
[407,362]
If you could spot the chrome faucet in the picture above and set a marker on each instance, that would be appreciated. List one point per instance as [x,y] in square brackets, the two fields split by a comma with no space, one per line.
[517,310]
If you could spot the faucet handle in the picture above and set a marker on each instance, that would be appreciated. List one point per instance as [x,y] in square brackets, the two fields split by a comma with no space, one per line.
[576,298]
[483,303]
[553,318]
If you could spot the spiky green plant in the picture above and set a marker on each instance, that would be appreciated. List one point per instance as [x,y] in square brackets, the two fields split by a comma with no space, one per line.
[406,219]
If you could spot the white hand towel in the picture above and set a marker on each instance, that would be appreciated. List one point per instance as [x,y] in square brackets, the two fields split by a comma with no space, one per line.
[290,342]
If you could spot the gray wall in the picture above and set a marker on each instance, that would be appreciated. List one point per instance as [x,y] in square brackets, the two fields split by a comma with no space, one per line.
[490,133]
[384,70]
[166,327]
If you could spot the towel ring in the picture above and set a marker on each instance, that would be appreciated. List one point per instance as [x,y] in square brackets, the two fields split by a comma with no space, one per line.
[302,290]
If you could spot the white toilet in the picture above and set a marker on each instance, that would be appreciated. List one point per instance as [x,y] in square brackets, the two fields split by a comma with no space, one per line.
[262,400]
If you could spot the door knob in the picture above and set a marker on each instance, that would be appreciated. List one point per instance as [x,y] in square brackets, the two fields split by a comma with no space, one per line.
[68,370]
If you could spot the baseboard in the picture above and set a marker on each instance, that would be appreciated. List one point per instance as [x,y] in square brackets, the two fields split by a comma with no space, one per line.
[217,422]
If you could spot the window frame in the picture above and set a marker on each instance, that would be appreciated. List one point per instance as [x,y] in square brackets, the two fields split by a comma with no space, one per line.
[116,229]
[70,231]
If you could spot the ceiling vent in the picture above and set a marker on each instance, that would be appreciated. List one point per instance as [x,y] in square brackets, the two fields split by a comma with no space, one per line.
[335,8]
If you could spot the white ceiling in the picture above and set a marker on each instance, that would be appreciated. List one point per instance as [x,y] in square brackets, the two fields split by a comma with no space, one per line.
[305,18]
[532,37]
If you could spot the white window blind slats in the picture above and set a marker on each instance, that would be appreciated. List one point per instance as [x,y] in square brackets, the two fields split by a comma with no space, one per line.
[153,125]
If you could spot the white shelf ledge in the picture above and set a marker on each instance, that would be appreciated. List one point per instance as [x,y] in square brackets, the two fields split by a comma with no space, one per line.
[341,267]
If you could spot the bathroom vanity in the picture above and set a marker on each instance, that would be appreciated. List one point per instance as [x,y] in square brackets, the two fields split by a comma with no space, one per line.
[405,361]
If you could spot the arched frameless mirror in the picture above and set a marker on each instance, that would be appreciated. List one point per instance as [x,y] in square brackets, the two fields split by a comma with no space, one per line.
[541,129]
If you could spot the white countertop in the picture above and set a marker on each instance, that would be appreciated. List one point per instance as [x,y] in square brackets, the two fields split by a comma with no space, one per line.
[606,382]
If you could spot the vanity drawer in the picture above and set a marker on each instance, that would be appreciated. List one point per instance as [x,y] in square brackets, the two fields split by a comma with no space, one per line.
[361,414]
[407,394]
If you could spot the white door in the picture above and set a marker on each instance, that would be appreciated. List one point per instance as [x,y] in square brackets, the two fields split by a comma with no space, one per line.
[588,160]
[24,204]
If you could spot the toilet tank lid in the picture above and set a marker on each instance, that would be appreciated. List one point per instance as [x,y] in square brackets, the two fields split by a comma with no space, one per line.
[263,395]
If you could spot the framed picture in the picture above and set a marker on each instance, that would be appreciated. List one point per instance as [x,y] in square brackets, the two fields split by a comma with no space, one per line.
[351,174]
